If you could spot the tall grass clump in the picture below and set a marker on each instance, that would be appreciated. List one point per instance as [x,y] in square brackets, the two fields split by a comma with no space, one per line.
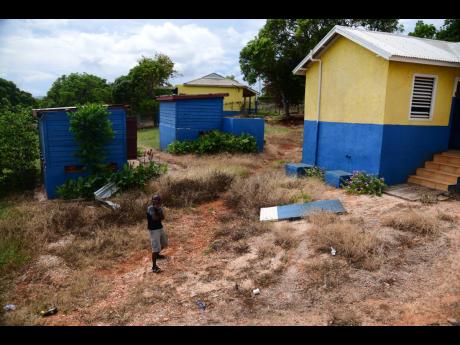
[195,186]
[413,221]
[350,240]
[248,195]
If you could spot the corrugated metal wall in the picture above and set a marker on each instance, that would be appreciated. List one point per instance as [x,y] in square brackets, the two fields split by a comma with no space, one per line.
[59,147]
[185,119]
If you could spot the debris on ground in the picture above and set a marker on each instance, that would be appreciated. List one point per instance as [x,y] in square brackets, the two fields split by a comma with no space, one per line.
[297,211]
[49,312]
[453,322]
[256,291]
[333,251]
[9,307]
[110,204]
[201,305]
[106,191]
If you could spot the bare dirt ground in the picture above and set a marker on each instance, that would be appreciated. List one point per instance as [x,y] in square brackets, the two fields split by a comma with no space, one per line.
[416,281]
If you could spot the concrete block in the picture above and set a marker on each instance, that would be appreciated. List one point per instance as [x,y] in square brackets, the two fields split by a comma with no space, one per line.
[336,177]
[296,169]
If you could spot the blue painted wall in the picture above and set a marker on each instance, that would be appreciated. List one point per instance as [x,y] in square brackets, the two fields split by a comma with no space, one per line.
[391,151]
[406,148]
[167,123]
[252,126]
[59,146]
[185,119]
[343,146]
[231,113]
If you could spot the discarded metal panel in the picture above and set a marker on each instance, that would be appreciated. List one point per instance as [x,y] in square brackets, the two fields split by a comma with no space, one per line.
[106,191]
[110,204]
[297,211]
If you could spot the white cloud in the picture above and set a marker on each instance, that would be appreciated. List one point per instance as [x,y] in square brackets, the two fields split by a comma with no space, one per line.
[33,53]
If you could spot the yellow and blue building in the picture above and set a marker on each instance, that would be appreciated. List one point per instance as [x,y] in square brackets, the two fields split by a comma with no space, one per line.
[380,102]
[240,99]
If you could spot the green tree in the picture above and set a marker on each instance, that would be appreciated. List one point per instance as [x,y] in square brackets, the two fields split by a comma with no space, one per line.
[143,83]
[450,31]
[231,76]
[92,130]
[12,96]
[78,88]
[282,43]
[423,30]
[19,149]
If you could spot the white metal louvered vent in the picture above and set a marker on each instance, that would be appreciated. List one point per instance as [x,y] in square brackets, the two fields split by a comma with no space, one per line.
[422,97]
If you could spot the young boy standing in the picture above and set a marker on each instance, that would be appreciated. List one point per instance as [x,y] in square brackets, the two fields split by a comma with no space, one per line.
[158,237]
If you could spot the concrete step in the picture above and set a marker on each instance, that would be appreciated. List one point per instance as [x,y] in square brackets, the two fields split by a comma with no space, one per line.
[438,175]
[455,153]
[428,182]
[448,168]
[447,159]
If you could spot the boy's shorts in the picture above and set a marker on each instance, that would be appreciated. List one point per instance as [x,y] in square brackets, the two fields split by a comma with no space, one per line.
[158,239]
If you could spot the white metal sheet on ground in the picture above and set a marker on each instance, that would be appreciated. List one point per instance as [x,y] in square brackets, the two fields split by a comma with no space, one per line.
[269,213]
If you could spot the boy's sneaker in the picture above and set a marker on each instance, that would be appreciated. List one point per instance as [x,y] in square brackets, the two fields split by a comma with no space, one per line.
[156,269]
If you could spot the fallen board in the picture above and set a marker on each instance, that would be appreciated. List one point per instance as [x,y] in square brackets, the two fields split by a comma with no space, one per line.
[297,211]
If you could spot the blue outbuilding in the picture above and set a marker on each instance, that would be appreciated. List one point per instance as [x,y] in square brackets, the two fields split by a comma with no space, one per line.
[186,117]
[58,146]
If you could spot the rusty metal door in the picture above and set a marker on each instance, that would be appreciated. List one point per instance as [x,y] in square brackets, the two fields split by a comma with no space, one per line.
[131,137]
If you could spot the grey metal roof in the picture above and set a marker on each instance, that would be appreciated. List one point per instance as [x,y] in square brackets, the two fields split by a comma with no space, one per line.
[396,47]
[215,79]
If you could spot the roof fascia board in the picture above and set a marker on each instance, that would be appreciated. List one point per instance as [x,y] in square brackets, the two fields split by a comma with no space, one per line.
[424,61]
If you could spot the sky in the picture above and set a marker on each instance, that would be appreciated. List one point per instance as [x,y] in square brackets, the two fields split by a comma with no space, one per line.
[35,52]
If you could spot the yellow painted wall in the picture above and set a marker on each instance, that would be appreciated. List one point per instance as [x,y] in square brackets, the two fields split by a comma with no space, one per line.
[353,85]
[232,102]
[399,89]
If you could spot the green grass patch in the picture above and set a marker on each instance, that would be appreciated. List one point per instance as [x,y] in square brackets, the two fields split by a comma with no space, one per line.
[12,255]
[149,138]
[276,129]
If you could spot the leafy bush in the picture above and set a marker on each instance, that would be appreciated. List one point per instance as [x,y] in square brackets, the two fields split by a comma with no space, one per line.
[126,178]
[82,187]
[314,172]
[215,142]
[362,183]
[130,177]
[19,149]
[92,129]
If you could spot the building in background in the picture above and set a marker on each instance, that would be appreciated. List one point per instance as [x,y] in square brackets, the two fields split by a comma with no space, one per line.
[241,98]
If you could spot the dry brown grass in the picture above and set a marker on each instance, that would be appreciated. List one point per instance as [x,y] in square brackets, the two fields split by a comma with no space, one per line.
[344,317]
[270,189]
[241,248]
[266,251]
[360,247]
[446,217]
[239,229]
[285,238]
[324,273]
[269,278]
[412,221]
[195,186]
[104,247]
